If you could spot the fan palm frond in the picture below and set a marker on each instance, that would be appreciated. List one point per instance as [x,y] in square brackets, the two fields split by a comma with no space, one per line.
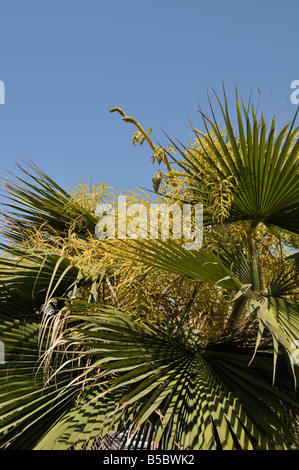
[191,398]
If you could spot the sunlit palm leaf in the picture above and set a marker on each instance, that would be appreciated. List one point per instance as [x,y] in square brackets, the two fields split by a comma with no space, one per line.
[172,257]
[239,273]
[264,166]
[281,318]
[37,201]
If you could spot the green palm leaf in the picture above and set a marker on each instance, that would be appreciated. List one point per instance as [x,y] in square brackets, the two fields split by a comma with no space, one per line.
[27,406]
[240,274]
[29,279]
[202,398]
[171,256]
[263,166]
[39,202]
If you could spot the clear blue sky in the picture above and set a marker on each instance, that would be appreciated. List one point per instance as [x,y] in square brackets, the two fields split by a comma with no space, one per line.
[65,63]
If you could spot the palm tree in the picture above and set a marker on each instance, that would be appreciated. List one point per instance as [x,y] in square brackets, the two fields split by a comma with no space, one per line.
[141,344]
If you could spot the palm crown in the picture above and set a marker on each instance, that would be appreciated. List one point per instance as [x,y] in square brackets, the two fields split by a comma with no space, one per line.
[142,343]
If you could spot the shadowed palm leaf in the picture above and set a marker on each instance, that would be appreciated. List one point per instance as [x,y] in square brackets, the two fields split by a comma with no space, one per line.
[165,392]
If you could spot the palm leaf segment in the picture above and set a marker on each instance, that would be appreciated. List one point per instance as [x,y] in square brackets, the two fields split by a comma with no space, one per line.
[27,405]
[169,394]
[30,279]
[261,164]
[140,379]
[35,200]
[240,274]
